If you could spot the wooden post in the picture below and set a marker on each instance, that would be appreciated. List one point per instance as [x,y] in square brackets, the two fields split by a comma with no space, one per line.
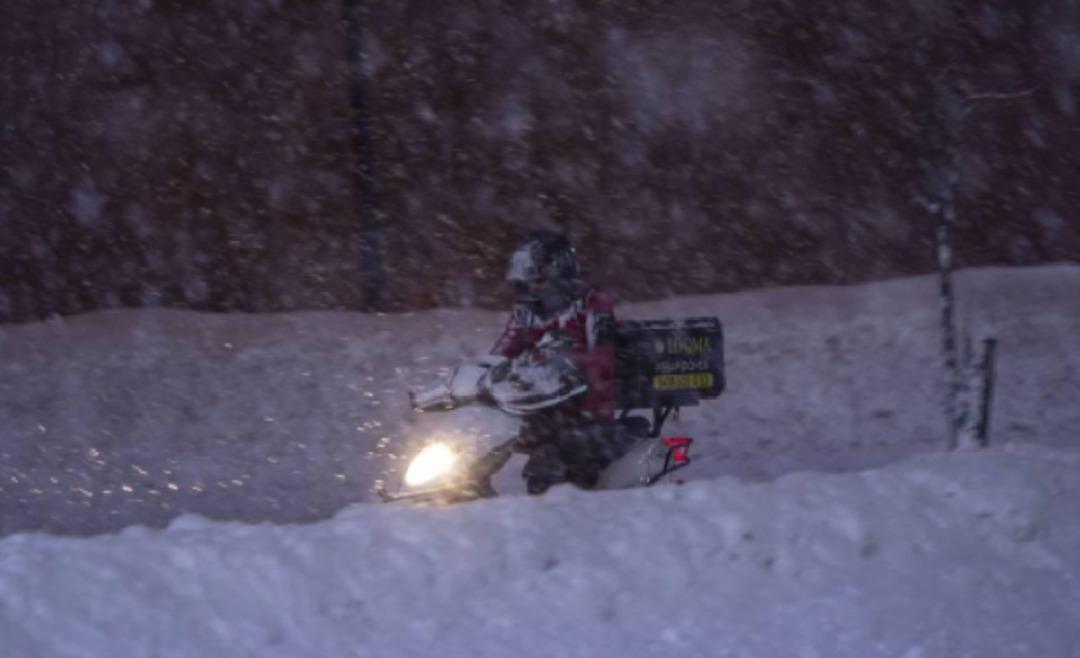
[986,392]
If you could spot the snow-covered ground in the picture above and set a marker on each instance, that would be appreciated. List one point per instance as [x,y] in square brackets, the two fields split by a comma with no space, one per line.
[126,417]
[944,556]
[787,541]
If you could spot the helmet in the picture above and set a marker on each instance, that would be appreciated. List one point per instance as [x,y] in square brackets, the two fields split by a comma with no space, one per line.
[545,272]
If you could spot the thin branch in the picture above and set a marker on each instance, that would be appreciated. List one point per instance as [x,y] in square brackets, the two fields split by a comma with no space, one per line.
[1001,96]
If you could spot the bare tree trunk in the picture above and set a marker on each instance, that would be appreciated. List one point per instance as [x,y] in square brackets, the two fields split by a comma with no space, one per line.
[978,393]
[949,349]
[371,228]
[940,175]
[968,376]
[968,388]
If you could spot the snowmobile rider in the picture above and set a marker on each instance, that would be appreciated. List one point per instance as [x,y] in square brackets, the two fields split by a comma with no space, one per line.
[557,314]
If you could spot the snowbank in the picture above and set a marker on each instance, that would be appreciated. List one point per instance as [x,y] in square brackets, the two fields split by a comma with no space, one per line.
[944,556]
[130,417]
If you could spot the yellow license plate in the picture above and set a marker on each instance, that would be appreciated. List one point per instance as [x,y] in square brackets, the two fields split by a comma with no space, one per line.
[695,380]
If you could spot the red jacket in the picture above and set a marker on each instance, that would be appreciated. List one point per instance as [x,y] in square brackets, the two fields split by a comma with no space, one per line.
[589,322]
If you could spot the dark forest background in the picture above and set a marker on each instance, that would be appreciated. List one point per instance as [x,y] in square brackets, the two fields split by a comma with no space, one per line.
[202,154]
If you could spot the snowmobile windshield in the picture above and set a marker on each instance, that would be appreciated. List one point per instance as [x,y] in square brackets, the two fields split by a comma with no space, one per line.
[519,386]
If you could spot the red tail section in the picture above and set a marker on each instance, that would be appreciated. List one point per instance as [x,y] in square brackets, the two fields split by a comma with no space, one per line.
[680,448]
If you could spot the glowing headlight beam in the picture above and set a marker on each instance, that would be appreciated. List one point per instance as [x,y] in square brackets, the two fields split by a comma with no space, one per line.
[432,462]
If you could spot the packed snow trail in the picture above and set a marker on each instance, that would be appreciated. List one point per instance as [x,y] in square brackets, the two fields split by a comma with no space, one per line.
[945,556]
[125,417]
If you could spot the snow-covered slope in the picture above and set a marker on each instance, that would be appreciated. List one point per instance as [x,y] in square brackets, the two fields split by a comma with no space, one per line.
[130,417]
[945,556]
[135,416]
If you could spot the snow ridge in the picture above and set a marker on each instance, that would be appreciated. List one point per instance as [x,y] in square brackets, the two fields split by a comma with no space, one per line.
[947,555]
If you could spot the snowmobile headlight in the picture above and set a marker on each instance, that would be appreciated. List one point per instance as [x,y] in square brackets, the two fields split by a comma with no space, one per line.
[432,462]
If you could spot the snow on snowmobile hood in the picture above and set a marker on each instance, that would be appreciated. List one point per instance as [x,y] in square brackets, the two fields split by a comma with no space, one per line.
[520,387]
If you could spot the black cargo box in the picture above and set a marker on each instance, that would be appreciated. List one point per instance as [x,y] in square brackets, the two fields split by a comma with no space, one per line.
[665,363]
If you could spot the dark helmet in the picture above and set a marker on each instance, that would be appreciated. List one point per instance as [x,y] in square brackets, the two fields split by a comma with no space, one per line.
[545,272]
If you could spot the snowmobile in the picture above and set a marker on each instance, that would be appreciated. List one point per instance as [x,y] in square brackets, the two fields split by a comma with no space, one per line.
[660,367]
